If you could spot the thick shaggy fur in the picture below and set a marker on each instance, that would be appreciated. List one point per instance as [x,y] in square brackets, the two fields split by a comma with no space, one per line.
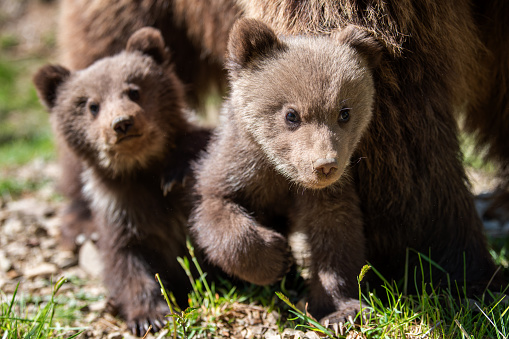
[295,104]
[413,189]
[123,117]
[195,32]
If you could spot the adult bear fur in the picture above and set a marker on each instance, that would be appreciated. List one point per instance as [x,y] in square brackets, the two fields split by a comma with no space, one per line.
[195,32]
[123,117]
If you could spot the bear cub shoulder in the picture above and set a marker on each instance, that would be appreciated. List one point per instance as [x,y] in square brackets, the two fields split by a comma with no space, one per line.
[278,163]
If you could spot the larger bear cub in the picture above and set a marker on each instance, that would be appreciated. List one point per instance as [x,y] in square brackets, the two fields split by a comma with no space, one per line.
[124,118]
[279,161]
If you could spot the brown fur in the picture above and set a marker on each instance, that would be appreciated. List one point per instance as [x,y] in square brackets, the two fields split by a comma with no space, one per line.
[194,31]
[123,118]
[413,189]
[89,30]
[262,177]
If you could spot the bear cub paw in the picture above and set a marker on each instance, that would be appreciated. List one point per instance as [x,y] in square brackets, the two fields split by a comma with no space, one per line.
[273,259]
[347,311]
[139,323]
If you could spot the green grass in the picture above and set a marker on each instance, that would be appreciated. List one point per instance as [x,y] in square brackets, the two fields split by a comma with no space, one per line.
[12,187]
[500,252]
[20,151]
[433,313]
[210,304]
[25,132]
[473,156]
[16,321]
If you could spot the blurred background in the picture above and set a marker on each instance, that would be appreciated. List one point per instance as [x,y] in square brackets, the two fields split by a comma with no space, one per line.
[27,41]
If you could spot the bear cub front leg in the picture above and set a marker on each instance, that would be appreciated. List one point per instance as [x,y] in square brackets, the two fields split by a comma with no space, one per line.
[237,243]
[332,222]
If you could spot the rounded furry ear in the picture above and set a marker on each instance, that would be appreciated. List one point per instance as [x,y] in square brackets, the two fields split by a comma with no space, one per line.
[47,80]
[149,41]
[369,47]
[249,40]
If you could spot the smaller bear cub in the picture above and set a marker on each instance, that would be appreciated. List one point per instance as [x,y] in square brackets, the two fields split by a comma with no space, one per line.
[279,161]
[124,118]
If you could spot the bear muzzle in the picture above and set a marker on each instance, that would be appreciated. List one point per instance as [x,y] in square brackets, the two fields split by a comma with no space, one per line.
[122,125]
[326,166]
[324,172]
[125,128]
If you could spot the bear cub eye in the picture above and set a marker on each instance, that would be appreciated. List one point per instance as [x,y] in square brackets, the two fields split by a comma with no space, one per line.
[344,115]
[133,94]
[292,117]
[93,107]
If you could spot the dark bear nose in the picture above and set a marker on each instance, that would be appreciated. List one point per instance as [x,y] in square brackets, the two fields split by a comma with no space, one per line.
[326,166]
[122,125]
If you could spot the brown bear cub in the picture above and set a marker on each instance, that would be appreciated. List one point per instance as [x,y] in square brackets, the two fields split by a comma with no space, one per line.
[279,161]
[195,31]
[124,118]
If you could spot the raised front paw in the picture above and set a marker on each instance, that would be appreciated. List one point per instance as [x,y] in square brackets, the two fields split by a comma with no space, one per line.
[267,259]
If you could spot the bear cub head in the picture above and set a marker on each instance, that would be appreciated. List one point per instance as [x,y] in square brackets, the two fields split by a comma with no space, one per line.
[304,100]
[123,112]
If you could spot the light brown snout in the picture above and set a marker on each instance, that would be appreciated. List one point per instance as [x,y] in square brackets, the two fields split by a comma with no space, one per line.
[326,165]
[122,125]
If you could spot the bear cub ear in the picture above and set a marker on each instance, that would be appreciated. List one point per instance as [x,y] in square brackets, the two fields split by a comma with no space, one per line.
[365,44]
[47,80]
[149,41]
[249,40]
